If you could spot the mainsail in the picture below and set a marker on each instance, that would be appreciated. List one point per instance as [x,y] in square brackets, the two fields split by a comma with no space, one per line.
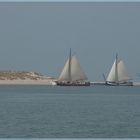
[118,72]
[72,71]
[123,74]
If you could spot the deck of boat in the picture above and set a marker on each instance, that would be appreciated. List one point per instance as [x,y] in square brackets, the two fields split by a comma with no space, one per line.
[73,83]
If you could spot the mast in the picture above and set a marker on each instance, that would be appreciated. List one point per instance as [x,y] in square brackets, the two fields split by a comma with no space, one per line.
[69,69]
[116,69]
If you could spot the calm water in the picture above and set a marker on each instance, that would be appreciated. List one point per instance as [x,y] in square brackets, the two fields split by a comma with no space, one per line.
[80,112]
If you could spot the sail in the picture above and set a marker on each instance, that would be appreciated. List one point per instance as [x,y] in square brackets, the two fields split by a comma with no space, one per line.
[122,73]
[64,76]
[76,72]
[111,76]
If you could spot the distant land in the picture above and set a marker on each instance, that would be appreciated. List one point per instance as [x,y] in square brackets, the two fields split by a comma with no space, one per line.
[24,77]
[33,78]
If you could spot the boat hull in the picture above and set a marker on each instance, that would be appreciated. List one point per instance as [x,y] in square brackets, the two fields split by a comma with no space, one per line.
[73,83]
[119,84]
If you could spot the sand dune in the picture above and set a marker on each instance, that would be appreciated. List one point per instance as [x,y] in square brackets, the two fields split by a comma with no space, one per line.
[24,78]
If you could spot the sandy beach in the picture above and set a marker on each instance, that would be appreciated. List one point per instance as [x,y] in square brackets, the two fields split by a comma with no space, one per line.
[26,82]
[24,78]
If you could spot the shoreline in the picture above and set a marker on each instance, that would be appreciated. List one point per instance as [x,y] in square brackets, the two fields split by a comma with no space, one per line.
[26,82]
[24,78]
[47,82]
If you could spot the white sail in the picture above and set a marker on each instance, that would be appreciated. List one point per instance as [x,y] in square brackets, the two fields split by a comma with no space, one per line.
[122,73]
[111,76]
[64,76]
[76,72]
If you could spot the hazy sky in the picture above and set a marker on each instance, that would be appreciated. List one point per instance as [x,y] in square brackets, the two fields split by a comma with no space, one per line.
[37,36]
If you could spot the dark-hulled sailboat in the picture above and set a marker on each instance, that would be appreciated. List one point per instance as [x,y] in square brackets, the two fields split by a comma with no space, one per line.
[72,74]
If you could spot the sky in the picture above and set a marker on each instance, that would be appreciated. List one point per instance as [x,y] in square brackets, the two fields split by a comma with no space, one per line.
[37,36]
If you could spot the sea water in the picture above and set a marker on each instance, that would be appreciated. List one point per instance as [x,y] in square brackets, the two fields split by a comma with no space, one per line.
[69,112]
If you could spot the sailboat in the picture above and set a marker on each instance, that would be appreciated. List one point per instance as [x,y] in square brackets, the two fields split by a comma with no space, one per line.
[119,76]
[72,74]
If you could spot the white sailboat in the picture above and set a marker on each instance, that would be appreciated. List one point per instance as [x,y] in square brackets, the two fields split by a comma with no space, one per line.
[119,76]
[72,74]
